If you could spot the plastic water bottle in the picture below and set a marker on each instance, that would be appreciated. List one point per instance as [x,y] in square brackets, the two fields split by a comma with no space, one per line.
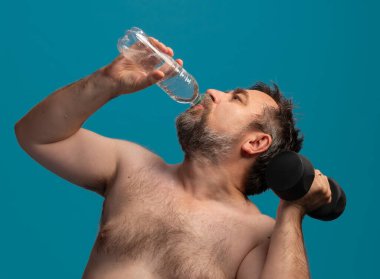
[177,83]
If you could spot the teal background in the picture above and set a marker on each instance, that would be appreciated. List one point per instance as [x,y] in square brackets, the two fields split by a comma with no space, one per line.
[323,54]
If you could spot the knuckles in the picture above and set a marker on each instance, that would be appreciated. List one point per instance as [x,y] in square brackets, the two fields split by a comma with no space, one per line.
[319,193]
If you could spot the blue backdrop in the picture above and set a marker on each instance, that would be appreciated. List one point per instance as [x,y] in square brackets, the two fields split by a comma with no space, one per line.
[323,54]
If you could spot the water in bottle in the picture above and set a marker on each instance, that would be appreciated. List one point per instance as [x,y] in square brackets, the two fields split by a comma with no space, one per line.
[177,83]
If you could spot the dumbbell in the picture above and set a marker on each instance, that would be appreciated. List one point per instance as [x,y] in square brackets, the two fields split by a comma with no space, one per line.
[290,175]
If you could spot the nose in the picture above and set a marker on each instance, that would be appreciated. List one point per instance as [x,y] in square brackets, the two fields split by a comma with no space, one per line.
[214,94]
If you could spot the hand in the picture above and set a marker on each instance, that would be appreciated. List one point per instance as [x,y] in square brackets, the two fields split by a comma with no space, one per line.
[318,195]
[127,76]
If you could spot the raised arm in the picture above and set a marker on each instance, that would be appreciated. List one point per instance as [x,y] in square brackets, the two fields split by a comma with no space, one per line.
[51,132]
[287,255]
[283,256]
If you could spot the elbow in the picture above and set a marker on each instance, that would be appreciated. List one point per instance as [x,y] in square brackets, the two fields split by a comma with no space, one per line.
[20,135]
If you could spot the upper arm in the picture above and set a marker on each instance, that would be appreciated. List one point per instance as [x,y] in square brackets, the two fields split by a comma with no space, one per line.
[253,263]
[87,159]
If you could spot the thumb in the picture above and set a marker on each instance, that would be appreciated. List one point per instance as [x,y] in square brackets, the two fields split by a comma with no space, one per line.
[154,77]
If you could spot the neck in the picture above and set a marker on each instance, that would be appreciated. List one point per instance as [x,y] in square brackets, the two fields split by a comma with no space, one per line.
[205,180]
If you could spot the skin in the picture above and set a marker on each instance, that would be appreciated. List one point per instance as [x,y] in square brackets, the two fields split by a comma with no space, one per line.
[144,196]
[226,179]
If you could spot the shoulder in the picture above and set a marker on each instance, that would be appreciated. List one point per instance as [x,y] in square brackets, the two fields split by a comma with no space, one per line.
[252,263]
[261,225]
[132,156]
[265,227]
[136,162]
[259,217]
[268,224]
[267,220]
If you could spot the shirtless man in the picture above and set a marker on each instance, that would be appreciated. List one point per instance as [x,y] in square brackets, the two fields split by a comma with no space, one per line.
[188,220]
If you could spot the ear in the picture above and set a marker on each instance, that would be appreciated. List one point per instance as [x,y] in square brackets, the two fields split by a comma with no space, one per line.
[259,143]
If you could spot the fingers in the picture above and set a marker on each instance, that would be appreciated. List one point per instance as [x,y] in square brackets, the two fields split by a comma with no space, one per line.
[324,185]
[154,77]
[180,62]
[170,71]
[161,73]
[151,60]
[161,46]
[171,51]
[317,172]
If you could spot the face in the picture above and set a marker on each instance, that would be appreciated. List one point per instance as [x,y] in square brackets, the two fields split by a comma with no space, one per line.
[235,109]
[213,127]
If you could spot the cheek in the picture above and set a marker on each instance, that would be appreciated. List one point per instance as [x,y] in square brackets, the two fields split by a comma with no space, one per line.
[226,121]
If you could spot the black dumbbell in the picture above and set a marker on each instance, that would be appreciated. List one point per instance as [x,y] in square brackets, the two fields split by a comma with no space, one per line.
[290,175]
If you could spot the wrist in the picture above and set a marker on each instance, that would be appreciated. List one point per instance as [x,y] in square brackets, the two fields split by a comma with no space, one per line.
[290,212]
[103,81]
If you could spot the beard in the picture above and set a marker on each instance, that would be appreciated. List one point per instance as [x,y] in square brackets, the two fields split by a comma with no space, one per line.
[198,140]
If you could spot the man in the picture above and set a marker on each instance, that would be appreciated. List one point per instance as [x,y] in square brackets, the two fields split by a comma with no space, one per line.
[189,220]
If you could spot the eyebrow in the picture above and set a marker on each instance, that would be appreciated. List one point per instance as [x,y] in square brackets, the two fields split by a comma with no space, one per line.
[242,91]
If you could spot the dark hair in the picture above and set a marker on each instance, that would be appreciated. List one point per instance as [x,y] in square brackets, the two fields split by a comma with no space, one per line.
[280,124]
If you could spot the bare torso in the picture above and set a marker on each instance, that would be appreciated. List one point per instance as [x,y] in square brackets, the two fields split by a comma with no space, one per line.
[151,228]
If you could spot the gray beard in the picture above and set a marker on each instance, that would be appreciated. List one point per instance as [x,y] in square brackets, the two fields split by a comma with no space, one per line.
[198,141]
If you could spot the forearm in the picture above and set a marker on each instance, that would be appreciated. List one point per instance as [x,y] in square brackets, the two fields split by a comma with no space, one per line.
[286,256]
[62,113]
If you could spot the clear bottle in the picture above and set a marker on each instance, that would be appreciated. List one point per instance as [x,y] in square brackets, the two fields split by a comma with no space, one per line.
[177,83]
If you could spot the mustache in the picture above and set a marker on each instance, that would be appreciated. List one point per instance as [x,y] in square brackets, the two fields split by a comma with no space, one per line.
[207,101]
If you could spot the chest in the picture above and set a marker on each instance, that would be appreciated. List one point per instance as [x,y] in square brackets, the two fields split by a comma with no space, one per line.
[147,220]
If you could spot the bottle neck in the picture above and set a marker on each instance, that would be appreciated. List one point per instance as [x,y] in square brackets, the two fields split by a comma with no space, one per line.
[197,99]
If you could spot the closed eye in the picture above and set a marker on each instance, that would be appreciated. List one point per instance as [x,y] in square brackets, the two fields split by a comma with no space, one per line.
[238,92]
[236,97]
